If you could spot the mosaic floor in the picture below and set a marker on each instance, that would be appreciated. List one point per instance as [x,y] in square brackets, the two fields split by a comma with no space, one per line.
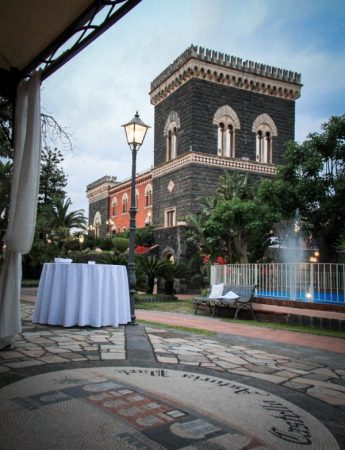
[317,380]
[200,392]
[136,408]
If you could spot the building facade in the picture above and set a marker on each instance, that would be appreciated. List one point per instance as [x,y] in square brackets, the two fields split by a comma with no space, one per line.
[213,112]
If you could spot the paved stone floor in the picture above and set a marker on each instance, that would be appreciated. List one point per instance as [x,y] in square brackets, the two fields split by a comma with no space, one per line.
[146,387]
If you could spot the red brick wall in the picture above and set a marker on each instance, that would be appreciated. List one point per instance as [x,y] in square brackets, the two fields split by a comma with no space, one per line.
[121,220]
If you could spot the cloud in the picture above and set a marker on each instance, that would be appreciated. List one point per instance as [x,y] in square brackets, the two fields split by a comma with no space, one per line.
[103,86]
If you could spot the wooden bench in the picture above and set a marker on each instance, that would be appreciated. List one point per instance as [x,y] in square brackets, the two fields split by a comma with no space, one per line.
[244,301]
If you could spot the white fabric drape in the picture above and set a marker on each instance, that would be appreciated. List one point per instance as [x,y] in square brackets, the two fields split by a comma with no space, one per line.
[23,203]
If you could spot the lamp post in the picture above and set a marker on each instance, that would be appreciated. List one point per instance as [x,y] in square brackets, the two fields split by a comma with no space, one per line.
[110,223]
[135,134]
[81,241]
[92,228]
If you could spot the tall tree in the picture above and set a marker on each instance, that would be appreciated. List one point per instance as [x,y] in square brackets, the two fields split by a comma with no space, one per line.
[53,179]
[312,180]
[234,222]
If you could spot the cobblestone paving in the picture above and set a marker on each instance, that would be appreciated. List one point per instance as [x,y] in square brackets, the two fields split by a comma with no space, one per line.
[312,378]
[39,344]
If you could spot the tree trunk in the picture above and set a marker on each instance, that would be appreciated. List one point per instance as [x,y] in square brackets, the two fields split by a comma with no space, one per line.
[150,285]
[327,250]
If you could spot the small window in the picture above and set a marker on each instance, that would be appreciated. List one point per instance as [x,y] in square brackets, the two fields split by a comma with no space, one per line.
[148,195]
[227,121]
[170,217]
[114,207]
[171,127]
[264,146]
[265,129]
[171,143]
[124,203]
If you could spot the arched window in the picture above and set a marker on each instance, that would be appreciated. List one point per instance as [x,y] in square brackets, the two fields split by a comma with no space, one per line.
[227,121]
[97,222]
[148,220]
[114,207]
[136,198]
[148,195]
[265,129]
[124,203]
[171,127]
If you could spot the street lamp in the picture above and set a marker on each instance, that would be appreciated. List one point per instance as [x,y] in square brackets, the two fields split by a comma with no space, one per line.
[81,241]
[135,134]
[110,223]
[92,228]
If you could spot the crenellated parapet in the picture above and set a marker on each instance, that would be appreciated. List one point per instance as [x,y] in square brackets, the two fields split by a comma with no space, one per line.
[225,69]
[99,189]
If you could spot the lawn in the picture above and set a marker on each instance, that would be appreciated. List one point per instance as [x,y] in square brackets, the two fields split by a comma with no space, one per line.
[186,307]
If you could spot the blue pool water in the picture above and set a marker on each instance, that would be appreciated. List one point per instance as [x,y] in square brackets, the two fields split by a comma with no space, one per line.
[319,297]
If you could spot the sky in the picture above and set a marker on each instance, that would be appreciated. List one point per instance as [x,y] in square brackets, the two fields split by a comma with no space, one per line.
[101,88]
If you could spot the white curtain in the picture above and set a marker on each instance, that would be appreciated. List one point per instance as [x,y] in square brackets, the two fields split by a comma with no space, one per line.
[23,203]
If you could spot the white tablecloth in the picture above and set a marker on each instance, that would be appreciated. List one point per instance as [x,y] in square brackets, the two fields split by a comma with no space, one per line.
[82,294]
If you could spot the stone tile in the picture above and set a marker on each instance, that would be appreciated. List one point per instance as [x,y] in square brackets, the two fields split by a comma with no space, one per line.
[21,364]
[208,364]
[225,364]
[325,384]
[260,369]
[73,348]
[195,358]
[296,371]
[317,376]
[10,355]
[107,356]
[300,365]
[238,347]
[327,395]
[239,370]
[34,353]
[267,377]
[56,350]
[233,359]
[325,371]
[52,359]
[296,386]
[166,359]
[340,372]
[285,373]
[259,362]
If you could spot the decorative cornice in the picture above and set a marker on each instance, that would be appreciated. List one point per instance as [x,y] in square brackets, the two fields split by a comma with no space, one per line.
[98,193]
[107,179]
[214,161]
[142,177]
[196,62]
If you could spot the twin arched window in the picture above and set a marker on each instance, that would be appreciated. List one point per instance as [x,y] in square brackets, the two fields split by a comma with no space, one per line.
[227,121]
[265,129]
[171,127]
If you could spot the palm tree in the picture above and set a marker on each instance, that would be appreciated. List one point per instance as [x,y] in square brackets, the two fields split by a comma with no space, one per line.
[64,219]
[152,267]
[61,221]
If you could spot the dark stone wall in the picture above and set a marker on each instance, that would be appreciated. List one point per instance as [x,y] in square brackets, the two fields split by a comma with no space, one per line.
[197,101]
[103,207]
[191,183]
[180,101]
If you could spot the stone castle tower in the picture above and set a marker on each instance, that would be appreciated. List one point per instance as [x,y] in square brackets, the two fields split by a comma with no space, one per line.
[214,112]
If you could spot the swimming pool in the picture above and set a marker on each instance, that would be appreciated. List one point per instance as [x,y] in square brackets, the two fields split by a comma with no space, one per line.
[337,298]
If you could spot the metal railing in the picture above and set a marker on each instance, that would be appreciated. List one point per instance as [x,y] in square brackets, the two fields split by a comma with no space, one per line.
[320,283]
